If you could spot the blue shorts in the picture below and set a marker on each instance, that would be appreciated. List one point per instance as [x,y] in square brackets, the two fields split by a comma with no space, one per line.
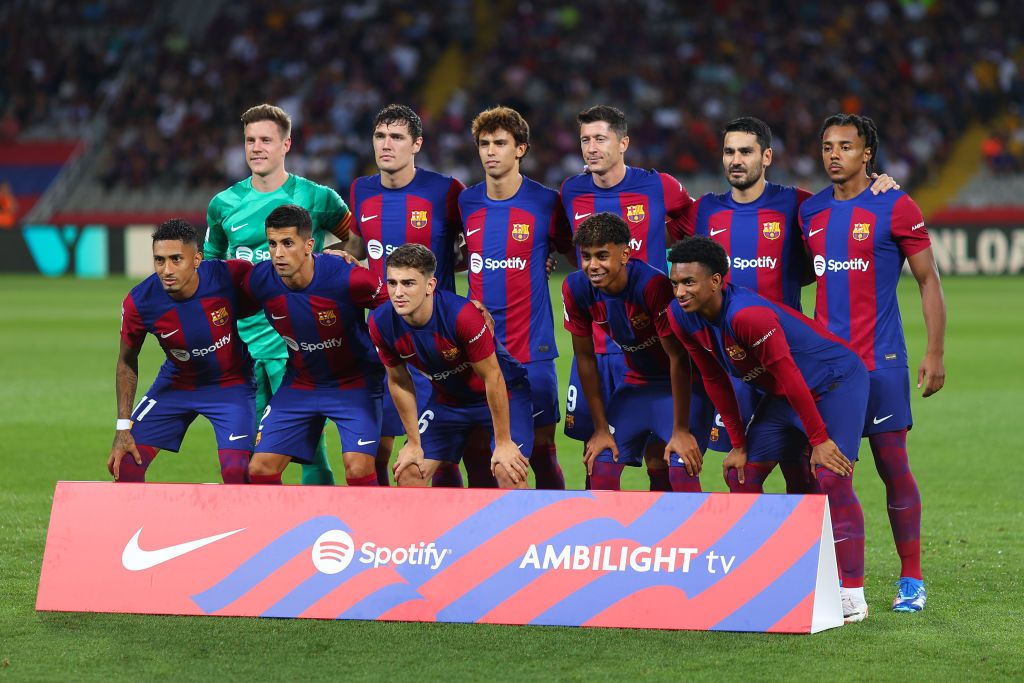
[888,401]
[391,424]
[579,425]
[544,388]
[293,422]
[636,413]
[163,415]
[776,434]
[444,428]
[748,397]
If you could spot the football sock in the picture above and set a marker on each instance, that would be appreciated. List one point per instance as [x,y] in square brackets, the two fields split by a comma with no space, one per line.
[368,480]
[477,459]
[318,472]
[682,481]
[847,526]
[606,476]
[448,475]
[660,480]
[798,476]
[754,474]
[273,479]
[382,468]
[546,470]
[902,496]
[234,465]
[130,472]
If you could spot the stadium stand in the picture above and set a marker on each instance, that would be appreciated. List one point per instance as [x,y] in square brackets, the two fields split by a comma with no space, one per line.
[154,92]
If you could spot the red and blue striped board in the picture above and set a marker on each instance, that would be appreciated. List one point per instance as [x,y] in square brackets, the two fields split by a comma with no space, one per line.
[712,561]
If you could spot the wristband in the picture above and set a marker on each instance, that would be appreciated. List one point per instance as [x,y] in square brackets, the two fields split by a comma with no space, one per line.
[123,425]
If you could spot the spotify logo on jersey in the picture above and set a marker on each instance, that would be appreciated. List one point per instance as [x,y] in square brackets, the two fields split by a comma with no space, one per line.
[375,249]
[476,262]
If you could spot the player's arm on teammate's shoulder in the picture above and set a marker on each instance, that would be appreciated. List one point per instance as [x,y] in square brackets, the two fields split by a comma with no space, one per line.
[883,183]
[507,460]
[455,225]
[680,219]
[126,382]
[931,373]
[560,239]
[682,442]
[216,243]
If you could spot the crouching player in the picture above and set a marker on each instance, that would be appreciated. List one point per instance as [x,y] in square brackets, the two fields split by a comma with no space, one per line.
[476,383]
[192,307]
[627,299]
[317,303]
[815,391]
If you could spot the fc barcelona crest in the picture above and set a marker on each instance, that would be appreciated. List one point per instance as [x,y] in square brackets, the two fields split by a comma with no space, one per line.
[520,232]
[326,318]
[640,320]
[450,354]
[714,434]
[861,231]
[771,230]
[418,219]
[220,316]
[635,213]
[736,352]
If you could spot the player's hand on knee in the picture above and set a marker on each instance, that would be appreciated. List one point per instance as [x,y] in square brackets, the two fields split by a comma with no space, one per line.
[602,440]
[685,446]
[736,459]
[123,445]
[409,455]
[829,456]
[510,460]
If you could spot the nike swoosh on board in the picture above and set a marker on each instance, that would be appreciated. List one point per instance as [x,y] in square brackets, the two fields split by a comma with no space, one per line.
[135,559]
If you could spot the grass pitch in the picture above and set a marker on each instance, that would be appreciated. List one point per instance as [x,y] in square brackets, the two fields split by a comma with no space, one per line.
[58,346]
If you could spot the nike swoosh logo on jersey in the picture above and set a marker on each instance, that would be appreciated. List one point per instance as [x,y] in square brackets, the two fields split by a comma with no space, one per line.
[718,232]
[473,232]
[164,335]
[406,355]
[538,413]
[238,227]
[278,317]
[880,420]
[360,442]
[581,216]
[812,233]
[363,219]
[600,322]
[232,437]
[135,559]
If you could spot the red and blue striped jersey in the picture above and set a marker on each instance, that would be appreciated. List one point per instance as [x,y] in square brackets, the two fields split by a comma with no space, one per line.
[649,201]
[858,248]
[769,346]
[198,335]
[762,239]
[631,317]
[444,349]
[509,241]
[323,325]
[425,211]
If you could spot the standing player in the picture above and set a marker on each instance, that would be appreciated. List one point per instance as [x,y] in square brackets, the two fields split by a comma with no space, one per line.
[192,307]
[627,299]
[236,219]
[815,391]
[512,223]
[400,205]
[655,206]
[476,383]
[859,242]
[756,222]
[317,304]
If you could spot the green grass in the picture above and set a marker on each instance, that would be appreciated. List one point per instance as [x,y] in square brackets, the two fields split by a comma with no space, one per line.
[58,344]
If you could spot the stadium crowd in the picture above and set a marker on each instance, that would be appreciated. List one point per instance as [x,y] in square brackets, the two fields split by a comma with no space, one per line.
[684,70]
